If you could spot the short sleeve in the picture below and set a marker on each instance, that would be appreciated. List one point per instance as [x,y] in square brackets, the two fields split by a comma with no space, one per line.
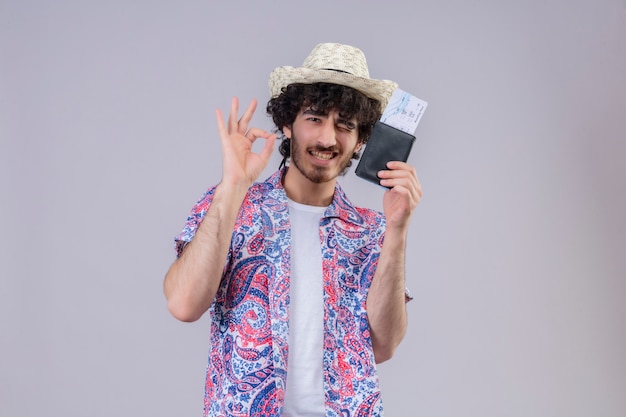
[193,221]
[407,295]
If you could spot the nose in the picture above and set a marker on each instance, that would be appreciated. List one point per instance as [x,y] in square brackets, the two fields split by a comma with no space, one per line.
[328,133]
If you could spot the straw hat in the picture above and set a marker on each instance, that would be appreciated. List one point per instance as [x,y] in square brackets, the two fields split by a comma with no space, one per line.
[337,64]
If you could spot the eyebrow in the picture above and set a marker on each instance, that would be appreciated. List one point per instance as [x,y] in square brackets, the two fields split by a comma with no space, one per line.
[314,112]
[350,124]
[340,120]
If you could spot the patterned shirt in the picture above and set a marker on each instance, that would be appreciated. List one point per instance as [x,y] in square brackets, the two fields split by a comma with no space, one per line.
[249,352]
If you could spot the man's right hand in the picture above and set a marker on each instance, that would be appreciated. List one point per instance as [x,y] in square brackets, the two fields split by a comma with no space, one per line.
[241,166]
[193,279]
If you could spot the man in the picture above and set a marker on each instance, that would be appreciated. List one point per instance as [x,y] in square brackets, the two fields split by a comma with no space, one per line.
[306,292]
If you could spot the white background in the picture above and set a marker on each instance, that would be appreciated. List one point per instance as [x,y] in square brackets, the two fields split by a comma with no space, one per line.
[516,254]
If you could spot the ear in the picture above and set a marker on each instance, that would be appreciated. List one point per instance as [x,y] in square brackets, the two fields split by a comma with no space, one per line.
[287,131]
[358,147]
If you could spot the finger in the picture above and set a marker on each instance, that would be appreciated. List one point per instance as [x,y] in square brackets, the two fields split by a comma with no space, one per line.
[397,165]
[393,183]
[398,169]
[221,127]
[247,116]
[270,138]
[394,174]
[410,184]
[403,175]
[255,132]
[267,150]
[232,118]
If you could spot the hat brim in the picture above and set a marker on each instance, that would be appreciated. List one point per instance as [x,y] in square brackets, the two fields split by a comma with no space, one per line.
[380,90]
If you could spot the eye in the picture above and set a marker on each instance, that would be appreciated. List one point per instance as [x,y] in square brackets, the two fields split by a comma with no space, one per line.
[345,127]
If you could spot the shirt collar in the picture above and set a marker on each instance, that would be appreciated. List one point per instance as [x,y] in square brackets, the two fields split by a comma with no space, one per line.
[340,207]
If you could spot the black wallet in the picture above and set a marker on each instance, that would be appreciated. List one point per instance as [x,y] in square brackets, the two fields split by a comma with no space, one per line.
[385,144]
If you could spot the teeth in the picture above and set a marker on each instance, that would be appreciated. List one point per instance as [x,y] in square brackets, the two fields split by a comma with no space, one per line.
[320,155]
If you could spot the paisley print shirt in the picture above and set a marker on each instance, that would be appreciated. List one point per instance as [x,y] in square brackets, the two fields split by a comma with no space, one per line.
[249,351]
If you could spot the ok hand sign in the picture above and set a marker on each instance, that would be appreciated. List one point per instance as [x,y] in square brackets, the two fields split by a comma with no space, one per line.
[242,166]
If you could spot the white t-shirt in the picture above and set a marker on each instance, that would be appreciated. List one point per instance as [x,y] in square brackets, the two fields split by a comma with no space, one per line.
[304,393]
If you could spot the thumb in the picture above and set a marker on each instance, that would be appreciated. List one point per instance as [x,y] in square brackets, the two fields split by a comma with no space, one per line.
[267,150]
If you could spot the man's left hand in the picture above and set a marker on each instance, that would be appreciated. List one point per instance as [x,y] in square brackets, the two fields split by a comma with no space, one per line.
[404,194]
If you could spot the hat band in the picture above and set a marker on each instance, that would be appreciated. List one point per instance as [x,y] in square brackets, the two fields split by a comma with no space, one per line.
[336,70]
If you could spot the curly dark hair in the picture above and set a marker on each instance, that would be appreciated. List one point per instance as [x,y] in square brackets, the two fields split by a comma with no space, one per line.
[322,97]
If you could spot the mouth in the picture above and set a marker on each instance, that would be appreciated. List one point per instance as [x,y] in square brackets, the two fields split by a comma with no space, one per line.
[323,155]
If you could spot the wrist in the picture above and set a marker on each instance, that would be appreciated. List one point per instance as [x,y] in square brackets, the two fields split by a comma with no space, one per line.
[232,189]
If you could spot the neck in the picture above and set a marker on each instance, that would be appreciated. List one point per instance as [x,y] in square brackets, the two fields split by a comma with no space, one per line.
[302,190]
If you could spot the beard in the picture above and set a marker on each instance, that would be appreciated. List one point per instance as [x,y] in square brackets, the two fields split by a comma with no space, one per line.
[315,173]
